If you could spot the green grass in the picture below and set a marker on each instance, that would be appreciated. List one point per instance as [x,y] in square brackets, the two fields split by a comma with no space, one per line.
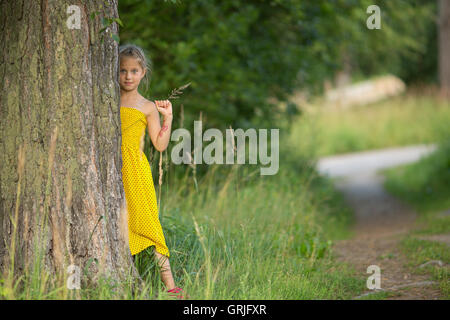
[420,251]
[233,234]
[407,119]
[424,184]
[268,239]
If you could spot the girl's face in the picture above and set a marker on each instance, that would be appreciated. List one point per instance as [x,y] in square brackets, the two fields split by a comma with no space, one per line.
[131,73]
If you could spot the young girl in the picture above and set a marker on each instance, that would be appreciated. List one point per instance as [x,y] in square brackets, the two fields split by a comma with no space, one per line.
[137,113]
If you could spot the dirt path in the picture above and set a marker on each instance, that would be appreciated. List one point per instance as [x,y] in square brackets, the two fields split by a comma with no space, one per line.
[381,220]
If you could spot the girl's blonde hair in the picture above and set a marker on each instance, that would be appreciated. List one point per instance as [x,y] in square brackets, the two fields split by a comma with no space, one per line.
[131,50]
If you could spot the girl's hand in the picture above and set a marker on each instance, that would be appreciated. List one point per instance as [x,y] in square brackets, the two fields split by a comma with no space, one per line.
[164,107]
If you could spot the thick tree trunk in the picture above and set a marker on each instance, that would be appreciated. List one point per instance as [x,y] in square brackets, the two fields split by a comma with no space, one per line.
[59,101]
[444,47]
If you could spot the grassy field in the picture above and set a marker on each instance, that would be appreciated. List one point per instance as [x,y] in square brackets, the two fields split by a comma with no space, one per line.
[411,118]
[233,234]
[264,237]
[269,237]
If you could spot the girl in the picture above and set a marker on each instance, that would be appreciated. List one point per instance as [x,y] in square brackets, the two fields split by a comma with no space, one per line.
[137,113]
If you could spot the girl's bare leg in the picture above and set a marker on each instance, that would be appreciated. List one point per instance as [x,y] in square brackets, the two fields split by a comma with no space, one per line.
[166,272]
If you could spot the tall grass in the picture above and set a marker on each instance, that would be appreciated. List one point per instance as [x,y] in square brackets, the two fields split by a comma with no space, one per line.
[414,117]
[233,234]
[266,237]
[30,280]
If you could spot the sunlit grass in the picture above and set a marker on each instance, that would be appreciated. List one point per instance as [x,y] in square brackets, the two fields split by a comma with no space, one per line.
[410,118]
[233,234]
[273,231]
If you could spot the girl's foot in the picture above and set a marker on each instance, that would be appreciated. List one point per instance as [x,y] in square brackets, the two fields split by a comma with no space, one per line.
[177,293]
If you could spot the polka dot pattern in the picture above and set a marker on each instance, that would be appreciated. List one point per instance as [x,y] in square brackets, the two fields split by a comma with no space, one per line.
[144,227]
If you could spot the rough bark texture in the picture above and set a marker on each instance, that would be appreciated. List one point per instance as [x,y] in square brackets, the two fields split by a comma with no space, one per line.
[444,47]
[60,84]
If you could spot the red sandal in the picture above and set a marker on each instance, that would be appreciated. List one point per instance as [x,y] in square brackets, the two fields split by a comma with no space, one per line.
[178,293]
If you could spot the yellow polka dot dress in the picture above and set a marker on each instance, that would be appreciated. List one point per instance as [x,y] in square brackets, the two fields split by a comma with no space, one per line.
[144,227]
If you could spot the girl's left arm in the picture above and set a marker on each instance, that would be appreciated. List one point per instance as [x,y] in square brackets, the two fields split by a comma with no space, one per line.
[160,135]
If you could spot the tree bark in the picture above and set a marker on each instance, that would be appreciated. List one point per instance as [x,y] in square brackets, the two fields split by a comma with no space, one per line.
[444,47]
[60,141]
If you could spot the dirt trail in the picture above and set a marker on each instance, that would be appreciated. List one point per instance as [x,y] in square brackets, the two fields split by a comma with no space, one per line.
[381,220]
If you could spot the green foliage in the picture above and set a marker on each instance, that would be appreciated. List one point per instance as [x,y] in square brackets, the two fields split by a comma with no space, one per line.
[406,44]
[424,184]
[238,54]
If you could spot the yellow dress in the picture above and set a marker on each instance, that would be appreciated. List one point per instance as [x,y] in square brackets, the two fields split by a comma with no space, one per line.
[144,227]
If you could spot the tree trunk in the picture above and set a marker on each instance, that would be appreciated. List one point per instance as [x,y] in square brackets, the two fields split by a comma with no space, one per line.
[444,47]
[60,173]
